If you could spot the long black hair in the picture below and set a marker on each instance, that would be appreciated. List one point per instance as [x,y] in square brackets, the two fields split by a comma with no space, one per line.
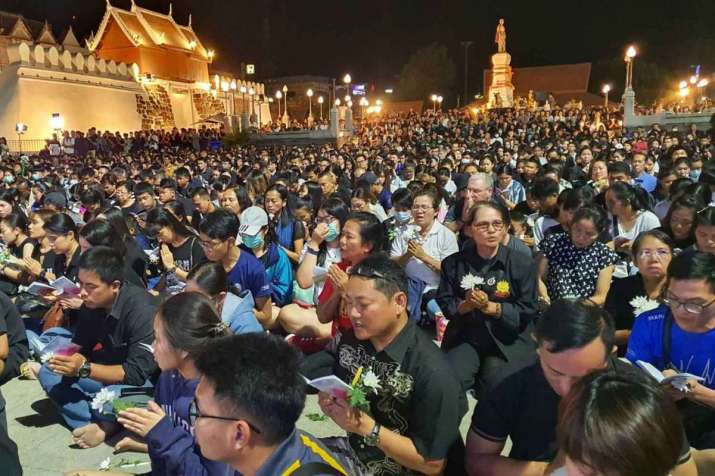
[160,217]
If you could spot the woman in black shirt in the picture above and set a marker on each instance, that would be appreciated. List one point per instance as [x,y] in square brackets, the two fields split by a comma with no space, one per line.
[62,235]
[13,231]
[628,297]
[679,223]
[488,293]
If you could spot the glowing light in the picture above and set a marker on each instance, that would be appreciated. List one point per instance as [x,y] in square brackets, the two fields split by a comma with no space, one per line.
[606,88]
[309,93]
[684,92]
[279,95]
[683,84]
[321,100]
[702,83]
[347,79]
[211,54]
[631,52]
[192,44]
[693,79]
[57,122]
[337,102]
[433,97]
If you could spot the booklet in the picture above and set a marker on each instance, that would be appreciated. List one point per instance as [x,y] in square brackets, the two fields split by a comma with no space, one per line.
[62,284]
[60,345]
[678,381]
[331,385]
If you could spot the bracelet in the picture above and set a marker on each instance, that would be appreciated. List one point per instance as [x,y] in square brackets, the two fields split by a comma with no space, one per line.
[311,251]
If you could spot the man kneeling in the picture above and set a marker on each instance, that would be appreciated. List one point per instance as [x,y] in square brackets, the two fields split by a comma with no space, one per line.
[114,329]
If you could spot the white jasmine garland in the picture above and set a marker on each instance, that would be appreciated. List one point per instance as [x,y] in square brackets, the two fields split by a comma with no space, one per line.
[642,304]
[104,465]
[469,282]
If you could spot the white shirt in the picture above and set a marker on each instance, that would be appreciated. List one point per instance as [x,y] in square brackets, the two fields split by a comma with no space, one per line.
[439,243]
[541,224]
[320,273]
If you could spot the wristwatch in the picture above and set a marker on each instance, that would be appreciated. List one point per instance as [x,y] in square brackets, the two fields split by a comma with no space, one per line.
[373,438]
[85,369]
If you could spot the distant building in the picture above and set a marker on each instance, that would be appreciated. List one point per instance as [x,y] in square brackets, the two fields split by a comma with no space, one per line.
[565,82]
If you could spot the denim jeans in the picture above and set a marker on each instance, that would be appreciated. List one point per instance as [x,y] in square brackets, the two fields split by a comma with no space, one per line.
[73,396]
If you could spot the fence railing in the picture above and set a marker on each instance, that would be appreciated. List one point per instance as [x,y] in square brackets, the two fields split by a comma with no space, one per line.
[29,145]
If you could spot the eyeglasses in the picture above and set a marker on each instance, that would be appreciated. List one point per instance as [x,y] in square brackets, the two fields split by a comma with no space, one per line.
[195,414]
[423,208]
[691,307]
[325,219]
[660,253]
[498,225]
[209,244]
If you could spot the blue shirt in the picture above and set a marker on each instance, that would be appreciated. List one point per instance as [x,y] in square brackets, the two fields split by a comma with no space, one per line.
[689,352]
[249,274]
[646,181]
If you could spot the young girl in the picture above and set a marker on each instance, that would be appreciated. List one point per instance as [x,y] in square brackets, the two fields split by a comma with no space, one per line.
[183,324]
[13,232]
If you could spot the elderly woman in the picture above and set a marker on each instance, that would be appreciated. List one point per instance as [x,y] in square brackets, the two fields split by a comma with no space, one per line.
[576,264]
[488,293]
[652,253]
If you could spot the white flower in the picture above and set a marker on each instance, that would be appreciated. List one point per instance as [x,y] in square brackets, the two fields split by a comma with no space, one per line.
[411,234]
[103,396]
[371,380]
[46,356]
[642,304]
[470,282]
[104,465]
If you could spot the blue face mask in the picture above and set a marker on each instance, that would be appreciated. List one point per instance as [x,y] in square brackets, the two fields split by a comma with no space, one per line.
[8,179]
[695,175]
[36,177]
[403,217]
[252,242]
[332,232]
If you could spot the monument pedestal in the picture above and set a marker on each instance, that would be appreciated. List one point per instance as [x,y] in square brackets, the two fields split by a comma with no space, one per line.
[501,91]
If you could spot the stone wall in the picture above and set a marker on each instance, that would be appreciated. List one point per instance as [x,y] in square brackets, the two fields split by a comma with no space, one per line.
[155,108]
[207,105]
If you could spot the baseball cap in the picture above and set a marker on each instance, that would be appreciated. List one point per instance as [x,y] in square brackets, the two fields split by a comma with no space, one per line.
[252,220]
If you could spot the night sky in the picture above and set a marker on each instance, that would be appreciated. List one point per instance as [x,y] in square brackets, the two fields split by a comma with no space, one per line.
[372,39]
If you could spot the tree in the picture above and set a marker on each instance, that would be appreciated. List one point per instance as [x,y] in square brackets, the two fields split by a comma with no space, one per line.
[428,71]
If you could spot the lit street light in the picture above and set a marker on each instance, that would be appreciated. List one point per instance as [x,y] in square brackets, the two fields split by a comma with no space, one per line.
[439,101]
[321,100]
[434,102]
[310,103]
[285,98]
[605,90]
[702,83]
[279,96]
[363,104]
[630,55]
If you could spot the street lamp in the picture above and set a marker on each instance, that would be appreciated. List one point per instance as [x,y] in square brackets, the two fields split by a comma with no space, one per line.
[605,90]
[310,103]
[439,101]
[285,98]
[337,103]
[279,96]
[320,101]
[251,93]
[702,83]
[630,55]
[243,91]
[363,104]
[233,96]
[434,102]
[20,129]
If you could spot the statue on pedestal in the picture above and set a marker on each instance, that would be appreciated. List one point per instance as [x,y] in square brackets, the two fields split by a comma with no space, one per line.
[500,37]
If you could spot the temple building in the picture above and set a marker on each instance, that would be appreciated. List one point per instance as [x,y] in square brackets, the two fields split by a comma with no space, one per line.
[153,41]
[141,70]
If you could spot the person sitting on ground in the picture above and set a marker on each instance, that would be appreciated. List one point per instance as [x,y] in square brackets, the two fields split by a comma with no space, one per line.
[113,330]
[613,424]
[236,310]
[246,407]
[217,236]
[414,415]
[14,348]
[573,340]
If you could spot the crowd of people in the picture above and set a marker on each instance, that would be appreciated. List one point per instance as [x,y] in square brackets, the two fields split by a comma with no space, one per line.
[550,263]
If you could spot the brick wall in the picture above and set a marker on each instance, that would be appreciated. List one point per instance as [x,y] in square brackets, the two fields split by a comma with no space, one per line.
[154,108]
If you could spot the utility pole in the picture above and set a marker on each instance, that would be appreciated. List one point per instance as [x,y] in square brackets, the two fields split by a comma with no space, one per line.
[466,45]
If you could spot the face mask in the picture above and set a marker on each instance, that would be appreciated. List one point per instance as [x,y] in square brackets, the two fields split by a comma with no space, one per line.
[403,217]
[695,175]
[252,242]
[8,179]
[36,177]
[332,232]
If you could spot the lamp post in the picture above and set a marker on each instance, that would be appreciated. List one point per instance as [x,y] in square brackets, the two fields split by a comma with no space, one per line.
[20,129]
[320,101]
[630,55]
[243,91]
[251,93]
[347,79]
[233,97]
[434,102]
[279,96]
[285,104]
[701,85]
[605,90]
[363,104]
[439,101]
[309,93]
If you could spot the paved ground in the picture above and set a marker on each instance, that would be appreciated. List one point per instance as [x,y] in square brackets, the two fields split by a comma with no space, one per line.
[46,446]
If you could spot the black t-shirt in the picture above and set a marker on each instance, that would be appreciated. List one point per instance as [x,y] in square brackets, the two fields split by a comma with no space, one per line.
[188,254]
[525,408]
[620,294]
[11,323]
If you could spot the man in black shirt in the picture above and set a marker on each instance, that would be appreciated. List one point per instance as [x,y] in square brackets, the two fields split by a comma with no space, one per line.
[114,329]
[417,406]
[573,340]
